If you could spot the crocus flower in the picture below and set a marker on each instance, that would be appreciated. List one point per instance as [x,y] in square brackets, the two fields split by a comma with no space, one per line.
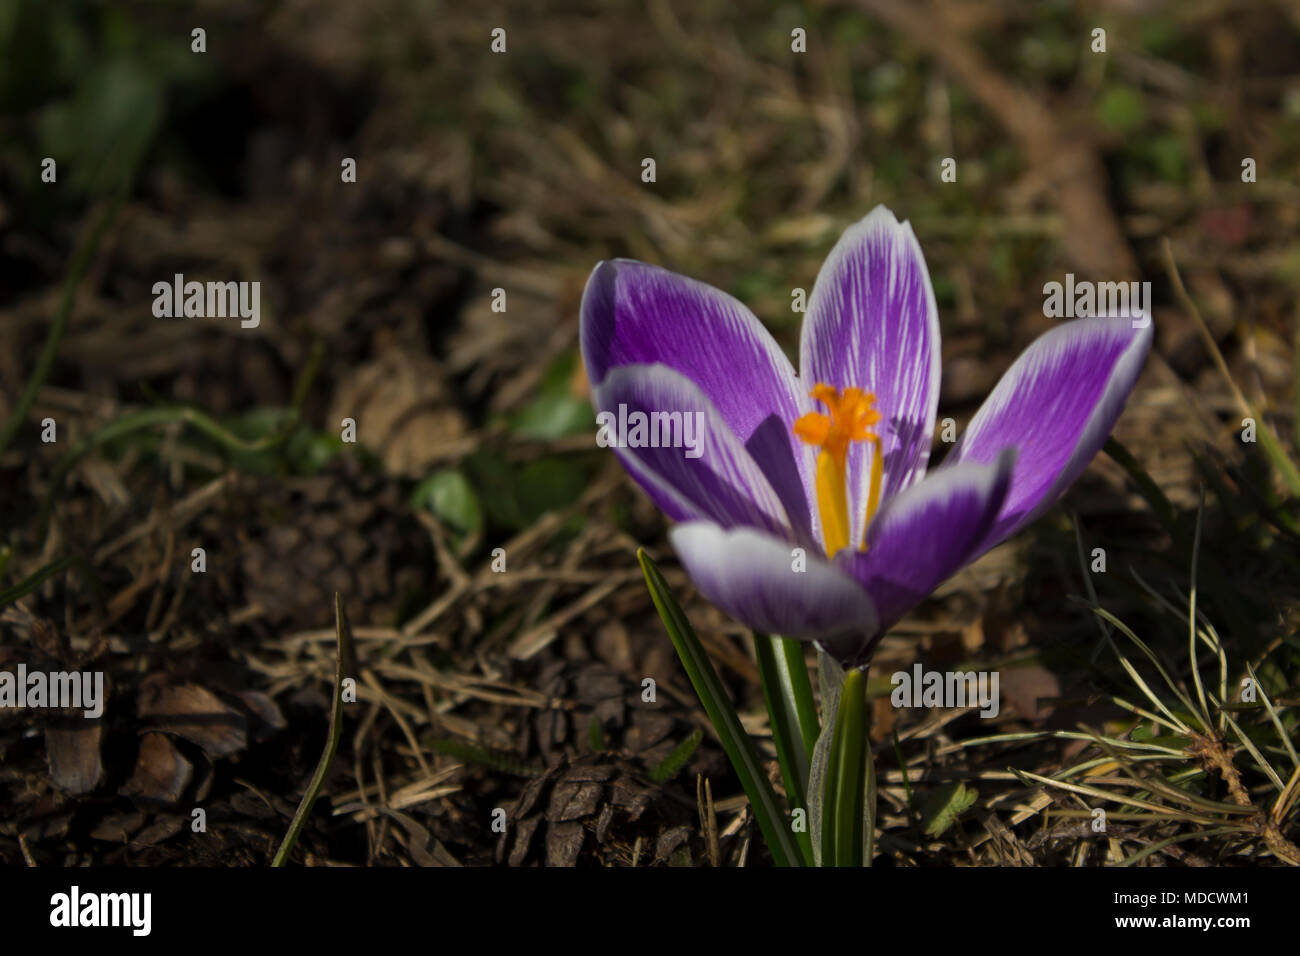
[806,510]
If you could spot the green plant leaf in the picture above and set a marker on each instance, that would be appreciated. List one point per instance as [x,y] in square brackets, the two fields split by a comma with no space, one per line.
[554,416]
[785,684]
[845,807]
[722,715]
[514,496]
[557,410]
[105,126]
[1120,109]
[450,497]
[830,677]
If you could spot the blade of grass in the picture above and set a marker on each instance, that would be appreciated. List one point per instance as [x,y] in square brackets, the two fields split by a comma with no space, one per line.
[722,715]
[1191,618]
[37,578]
[1206,632]
[1089,791]
[1142,854]
[1155,749]
[1267,439]
[1160,786]
[1282,805]
[1160,669]
[80,263]
[1258,757]
[1147,486]
[346,664]
[1277,721]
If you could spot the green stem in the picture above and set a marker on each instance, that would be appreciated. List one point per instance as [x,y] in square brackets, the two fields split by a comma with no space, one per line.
[346,663]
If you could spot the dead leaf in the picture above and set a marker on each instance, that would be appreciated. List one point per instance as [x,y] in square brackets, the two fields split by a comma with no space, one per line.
[161,772]
[195,713]
[1023,687]
[403,410]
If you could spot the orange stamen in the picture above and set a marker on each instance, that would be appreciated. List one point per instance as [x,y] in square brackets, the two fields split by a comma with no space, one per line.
[849,418]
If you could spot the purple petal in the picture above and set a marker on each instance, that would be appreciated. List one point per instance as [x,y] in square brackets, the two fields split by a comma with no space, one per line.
[638,314]
[751,576]
[1056,404]
[927,533]
[872,323]
[701,470]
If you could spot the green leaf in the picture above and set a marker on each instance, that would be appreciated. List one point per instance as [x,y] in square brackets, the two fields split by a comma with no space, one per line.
[556,411]
[830,678]
[448,495]
[844,822]
[553,416]
[514,497]
[1120,109]
[792,715]
[944,805]
[722,715]
[105,126]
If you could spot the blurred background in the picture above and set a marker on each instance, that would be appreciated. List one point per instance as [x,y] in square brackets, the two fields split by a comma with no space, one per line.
[478,171]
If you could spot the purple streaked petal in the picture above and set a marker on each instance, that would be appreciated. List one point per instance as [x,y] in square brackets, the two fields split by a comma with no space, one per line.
[638,314]
[872,323]
[722,484]
[1056,405]
[927,533]
[751,576]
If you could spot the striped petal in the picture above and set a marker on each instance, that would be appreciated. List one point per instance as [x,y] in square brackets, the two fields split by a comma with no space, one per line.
[872,324]
[676,444]
[927,533]
[1056,405]
[753,577]
[638,314]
